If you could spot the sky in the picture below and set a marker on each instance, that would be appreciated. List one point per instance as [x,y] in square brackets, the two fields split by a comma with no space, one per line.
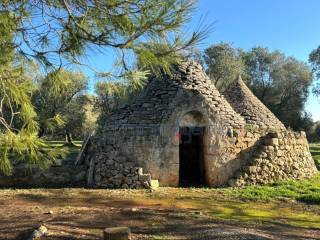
[290,26]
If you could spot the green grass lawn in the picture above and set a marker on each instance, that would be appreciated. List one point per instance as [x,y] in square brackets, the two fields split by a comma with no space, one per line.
[315,151]
[307,191]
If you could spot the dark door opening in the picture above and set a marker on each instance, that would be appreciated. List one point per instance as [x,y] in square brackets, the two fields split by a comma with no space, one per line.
[191,168]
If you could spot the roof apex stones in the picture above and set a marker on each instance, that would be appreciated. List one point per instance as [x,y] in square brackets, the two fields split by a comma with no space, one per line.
[159,99]
[250,107]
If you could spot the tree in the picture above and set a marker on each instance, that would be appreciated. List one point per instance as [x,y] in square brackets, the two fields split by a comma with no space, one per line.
[80,118]
[56,31]
[259,64]
[280,82]
[55,92]
[314,135]
[59,32]
[314,59]
[224,64]
[18,126]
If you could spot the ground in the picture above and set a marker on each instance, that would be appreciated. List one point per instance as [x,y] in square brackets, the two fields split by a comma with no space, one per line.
[286,210]
[168,213]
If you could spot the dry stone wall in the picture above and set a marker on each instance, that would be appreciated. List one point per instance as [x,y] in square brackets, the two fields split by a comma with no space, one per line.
[278,156]
[112,170]
[191,78]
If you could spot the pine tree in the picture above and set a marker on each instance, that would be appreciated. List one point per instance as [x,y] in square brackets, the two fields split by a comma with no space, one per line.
[146,34]
[18,126]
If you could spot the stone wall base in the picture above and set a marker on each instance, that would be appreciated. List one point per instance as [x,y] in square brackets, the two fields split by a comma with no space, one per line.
[113,170]
[280,156]
[55,176]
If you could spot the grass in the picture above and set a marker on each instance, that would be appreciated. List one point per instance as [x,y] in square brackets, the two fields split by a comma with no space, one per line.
[315,151]
[226,204]
[307,191]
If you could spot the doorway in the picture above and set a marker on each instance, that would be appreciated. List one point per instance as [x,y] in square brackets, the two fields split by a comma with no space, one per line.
[191,167]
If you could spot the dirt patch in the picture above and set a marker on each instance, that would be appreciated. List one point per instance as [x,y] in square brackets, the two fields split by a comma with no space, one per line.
[165,214]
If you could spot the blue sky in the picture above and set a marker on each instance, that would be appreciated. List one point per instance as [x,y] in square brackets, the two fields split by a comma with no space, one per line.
[290,26]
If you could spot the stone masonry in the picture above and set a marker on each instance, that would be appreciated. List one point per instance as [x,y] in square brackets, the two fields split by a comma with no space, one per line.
[116,171]
[250,107]
[234,141]
[281,155]
[242,143]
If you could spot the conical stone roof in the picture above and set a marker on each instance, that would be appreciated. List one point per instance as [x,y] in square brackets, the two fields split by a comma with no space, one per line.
[250,107]
[158,100]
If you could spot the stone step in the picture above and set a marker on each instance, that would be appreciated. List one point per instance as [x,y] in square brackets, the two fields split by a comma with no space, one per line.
[154,184]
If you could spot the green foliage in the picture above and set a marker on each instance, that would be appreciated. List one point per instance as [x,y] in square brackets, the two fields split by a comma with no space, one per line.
[280,82]
[54,93]
[148,58]
[18,125]
[314,135]
[68,153]
[314,59]
[224,64]
[7,25]
[80,117]
[146,34]
[312,198]
[24,147]
[315,151]
[63,30]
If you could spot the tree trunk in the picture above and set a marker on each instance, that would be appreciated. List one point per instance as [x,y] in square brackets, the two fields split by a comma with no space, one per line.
[68,140]
[41,132]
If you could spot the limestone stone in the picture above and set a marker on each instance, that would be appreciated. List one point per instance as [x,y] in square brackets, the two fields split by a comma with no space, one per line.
[38,233]
[116,233]
[145,177]
[243,143]
[250,107]
[154,184]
